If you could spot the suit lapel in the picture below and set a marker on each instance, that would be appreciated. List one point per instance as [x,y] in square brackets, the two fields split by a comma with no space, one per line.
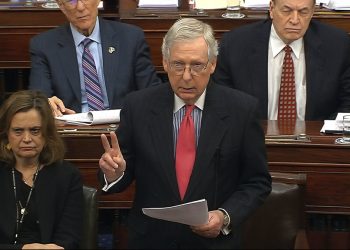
[68,58]
[110,52]
[161,130]
[314,60]
[212,130]
[259,63]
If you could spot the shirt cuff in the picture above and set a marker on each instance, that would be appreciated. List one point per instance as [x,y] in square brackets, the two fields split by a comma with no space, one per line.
[107,185]
[226,229]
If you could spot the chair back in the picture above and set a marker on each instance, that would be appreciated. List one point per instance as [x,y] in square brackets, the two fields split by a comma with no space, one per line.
[276,224]
[90,219]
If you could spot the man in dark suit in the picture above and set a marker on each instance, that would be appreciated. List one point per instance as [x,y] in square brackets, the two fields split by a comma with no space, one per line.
[229,168]
[120,53]
[250,59]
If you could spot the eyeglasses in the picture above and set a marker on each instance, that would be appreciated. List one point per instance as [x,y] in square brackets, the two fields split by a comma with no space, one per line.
[196,68]
[73,3]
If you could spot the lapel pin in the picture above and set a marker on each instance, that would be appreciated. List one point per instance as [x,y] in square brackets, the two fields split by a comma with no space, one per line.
[111,50]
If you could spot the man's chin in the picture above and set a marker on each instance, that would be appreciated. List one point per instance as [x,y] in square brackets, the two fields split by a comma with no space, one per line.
[187,97]
[293,36]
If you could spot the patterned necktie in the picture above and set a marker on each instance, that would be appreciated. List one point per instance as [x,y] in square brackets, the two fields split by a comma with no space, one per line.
[92,85]
[185,151]
[287,102]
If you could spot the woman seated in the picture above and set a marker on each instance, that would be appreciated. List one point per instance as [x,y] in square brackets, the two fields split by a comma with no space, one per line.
[41,195]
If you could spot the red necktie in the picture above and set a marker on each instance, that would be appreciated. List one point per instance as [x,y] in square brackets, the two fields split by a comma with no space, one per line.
[287,102]
[185,151]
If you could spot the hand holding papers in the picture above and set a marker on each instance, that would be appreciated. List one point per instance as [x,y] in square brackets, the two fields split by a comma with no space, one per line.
[192,213]
[92,117]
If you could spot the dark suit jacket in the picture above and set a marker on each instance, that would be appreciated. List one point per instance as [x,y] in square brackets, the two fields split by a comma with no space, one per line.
[59,202]
[55,67]
[242,64]
[230,169]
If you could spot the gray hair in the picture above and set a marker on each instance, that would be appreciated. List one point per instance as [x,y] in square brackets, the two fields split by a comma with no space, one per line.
[186,29]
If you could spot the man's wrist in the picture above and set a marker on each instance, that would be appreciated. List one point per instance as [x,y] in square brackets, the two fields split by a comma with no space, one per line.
[226,227]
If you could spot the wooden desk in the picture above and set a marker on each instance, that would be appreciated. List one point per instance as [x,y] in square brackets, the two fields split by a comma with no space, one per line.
[326,164]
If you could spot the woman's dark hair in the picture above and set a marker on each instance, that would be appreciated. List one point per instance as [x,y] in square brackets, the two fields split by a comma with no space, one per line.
[23,101]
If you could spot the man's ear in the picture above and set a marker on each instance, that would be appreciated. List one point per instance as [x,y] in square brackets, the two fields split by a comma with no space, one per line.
[272,5]
[212,65]
[165,65]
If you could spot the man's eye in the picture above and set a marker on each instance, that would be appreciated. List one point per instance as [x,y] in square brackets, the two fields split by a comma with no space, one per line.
[304,12]
[286,11]
[178,65]
[197,66]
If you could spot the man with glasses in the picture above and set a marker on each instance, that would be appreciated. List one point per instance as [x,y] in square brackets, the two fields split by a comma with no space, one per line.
[251,58]
[187,140]
[113,54]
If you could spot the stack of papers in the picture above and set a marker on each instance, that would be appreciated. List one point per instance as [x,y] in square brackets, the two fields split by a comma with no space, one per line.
[256,4]
[334,126]
[210,4]
[92,117]
[318,2]
[338,5]
[191,213]
[158,3]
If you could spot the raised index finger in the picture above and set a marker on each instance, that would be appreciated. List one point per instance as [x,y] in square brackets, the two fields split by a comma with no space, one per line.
[105,143]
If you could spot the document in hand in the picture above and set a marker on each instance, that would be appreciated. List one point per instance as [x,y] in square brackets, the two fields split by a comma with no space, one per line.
[191,213]
[334,126]
[92,117]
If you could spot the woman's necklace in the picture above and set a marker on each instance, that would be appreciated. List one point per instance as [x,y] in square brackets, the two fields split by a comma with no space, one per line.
[26,180]
[20,213]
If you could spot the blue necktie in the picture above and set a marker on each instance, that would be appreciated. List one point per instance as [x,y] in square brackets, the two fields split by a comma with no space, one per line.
[92,85]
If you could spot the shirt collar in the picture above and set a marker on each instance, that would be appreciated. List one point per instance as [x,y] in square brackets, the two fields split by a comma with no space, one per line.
[277,44]
[78,37]
[179,103]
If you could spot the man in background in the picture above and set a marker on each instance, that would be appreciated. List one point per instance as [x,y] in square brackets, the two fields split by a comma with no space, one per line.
[251,59]
[90,63]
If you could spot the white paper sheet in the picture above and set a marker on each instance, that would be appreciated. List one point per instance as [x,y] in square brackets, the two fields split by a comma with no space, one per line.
[338,4]
[256,3]
[334,126]
[92,117]
[191,213]
[158,3]
[210,4]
